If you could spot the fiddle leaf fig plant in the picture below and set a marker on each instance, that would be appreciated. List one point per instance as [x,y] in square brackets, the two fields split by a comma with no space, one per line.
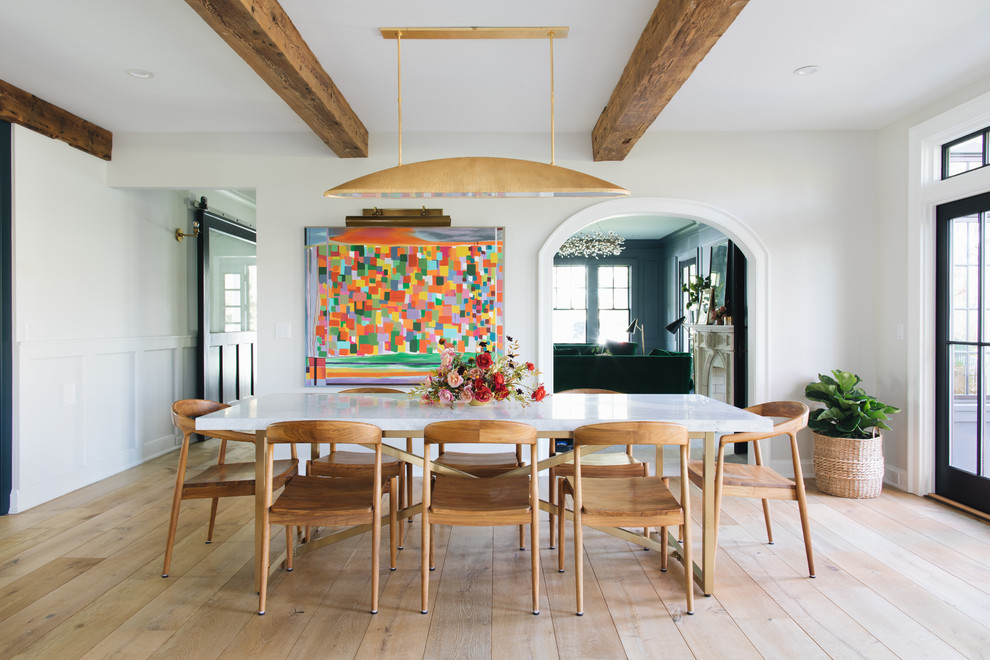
[849,411]
[693,288]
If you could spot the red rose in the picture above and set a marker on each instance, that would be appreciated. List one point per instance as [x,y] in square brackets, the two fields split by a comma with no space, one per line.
[502,394]
[482,393]
[499,380]
[539,394]
[484,360]
[531,366]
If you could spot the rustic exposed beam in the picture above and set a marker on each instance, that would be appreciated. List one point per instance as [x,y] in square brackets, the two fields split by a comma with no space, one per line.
[677,37]
[20,107]
[264,36]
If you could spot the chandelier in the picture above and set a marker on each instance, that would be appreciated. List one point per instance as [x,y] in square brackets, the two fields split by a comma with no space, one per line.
[476,176]
[596,244]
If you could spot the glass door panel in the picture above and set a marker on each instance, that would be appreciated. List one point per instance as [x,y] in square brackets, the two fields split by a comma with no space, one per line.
[963,351]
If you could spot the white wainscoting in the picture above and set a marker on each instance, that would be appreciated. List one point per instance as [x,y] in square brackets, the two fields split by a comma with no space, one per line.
[86,410]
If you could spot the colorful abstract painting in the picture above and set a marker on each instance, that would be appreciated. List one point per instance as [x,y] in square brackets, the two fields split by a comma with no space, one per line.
[378,299]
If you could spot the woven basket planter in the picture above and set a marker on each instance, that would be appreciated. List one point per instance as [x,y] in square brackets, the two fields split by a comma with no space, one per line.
[848,467]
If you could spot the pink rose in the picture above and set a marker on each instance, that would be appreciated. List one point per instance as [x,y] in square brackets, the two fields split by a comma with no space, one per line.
[447,358]
[474,373]
[454,379]
[446,396]
[466,395]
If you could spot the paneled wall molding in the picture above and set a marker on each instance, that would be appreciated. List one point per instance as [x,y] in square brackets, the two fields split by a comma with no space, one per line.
[87,409]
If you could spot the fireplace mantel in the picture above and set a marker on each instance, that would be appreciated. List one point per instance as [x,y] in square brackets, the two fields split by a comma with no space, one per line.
[712,347]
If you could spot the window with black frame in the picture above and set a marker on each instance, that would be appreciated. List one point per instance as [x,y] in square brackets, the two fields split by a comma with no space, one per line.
[966,154]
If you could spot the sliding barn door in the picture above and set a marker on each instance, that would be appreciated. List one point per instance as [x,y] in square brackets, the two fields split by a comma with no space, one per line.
[228,281]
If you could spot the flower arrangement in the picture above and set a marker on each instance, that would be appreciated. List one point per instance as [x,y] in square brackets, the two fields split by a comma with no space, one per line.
[481,378]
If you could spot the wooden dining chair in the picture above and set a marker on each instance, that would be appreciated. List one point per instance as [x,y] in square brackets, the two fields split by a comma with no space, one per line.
[339,463]
[325,501]
[480,464]
[599,464]
[220,480]
[760,481]
[480,501]
[627,501]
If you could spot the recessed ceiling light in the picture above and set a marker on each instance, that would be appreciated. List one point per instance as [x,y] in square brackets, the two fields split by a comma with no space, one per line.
[809,70]
[139,73]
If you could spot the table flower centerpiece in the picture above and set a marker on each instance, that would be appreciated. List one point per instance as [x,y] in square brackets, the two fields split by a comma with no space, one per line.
[481,378]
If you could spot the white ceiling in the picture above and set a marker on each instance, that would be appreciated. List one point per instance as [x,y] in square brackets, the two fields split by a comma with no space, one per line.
[880,60]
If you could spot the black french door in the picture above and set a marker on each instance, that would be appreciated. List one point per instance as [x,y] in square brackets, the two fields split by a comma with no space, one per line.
[962,340]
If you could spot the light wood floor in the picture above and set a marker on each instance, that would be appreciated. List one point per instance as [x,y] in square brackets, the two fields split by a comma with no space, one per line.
[898,576]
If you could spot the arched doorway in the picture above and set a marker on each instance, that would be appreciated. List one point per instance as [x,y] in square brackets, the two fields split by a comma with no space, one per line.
[747,241]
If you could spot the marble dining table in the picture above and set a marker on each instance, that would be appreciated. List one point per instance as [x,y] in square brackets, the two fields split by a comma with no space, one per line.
[402,416]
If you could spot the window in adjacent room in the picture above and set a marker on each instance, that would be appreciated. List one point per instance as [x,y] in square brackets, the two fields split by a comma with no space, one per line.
[570,304]
[688,269]
[613,302]
[966,153]
[591,302]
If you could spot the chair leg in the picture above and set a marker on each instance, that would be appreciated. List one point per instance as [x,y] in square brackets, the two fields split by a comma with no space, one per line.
[266,540]
[552,495]
[663,549]
[394,492]
[522,537]
[534,551]
[806,529]
[425,562]
[213,519]
[578,562]
[173,523]
[289,549]
[409,478]
[560,527]
[376,549]
[433,548]
[766,516]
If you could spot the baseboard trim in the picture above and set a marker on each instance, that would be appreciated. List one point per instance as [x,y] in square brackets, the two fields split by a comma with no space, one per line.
[959,507]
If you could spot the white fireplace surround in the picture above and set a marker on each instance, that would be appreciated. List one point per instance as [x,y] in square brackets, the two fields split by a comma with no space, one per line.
[712,347]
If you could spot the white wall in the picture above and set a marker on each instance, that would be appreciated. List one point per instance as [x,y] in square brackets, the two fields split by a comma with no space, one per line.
[810,197]
[104,337]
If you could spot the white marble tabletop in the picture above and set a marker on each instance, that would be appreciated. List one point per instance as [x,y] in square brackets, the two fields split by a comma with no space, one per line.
[558,413]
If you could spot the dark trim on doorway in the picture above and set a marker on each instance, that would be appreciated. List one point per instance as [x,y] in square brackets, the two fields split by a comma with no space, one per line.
[6,318]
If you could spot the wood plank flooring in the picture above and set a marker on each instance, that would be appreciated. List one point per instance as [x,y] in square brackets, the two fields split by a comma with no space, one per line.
[80,577]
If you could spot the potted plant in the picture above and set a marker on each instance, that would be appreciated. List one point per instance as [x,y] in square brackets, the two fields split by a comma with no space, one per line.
[848,446]
[694,288]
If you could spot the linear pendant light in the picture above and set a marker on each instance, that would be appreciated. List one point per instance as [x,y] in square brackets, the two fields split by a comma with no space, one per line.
[477,176]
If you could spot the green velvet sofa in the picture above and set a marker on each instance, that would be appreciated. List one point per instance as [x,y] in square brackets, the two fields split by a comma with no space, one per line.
[581,366]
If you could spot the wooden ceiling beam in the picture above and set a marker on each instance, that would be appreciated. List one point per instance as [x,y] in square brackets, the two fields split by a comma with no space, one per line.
[677,37]
[20,107]
[264,36]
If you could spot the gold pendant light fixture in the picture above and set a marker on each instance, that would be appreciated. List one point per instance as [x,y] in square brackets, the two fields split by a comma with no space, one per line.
[477,176]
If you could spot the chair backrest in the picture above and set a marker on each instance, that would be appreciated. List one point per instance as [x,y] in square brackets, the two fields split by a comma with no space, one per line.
[185,412]
[357,390]
[372,390]
[631,433]
[316,431]
[587,390]
[794,414]
[483,431]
